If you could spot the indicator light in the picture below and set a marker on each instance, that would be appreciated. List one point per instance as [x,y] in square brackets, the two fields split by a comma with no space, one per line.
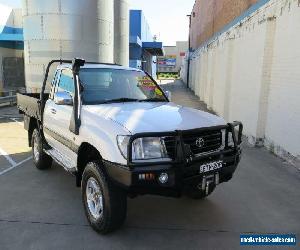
[147,177]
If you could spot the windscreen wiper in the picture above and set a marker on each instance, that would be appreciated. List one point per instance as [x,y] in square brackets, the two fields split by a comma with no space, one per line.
[153,100]
[118,100]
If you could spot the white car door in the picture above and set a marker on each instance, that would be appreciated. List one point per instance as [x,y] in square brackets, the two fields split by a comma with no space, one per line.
[57,121]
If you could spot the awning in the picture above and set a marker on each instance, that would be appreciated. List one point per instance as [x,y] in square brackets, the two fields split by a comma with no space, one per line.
[11,37]
[12,41]
[154,48]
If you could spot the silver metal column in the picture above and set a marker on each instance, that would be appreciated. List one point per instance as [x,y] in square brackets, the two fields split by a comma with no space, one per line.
[106,30]
[96,30]
[121,40]
[57,29]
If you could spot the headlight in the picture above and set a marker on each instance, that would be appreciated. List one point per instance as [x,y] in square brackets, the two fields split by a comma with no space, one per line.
[148,148]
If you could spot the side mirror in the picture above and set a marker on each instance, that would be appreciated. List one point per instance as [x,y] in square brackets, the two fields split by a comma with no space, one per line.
[169,95]
[63,98]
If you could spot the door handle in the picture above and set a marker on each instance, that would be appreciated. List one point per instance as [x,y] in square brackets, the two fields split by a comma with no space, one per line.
[53,111]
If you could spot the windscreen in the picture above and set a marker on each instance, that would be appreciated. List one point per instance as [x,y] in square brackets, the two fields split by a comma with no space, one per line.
[104,85]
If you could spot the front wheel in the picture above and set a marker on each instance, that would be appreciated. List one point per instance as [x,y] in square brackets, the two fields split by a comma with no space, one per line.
[40,158]
[105,204]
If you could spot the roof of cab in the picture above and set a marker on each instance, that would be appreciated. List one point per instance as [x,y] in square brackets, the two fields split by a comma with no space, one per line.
[98,66]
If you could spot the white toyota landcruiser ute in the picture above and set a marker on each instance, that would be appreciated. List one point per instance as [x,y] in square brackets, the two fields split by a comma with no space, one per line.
[116,130]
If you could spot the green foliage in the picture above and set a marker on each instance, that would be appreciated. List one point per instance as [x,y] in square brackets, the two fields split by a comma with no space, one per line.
[167,75]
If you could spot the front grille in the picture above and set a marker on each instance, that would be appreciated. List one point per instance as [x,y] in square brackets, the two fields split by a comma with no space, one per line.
[203,142]
[196,143]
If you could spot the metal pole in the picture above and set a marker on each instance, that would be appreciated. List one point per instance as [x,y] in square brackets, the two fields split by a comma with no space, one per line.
[189,52]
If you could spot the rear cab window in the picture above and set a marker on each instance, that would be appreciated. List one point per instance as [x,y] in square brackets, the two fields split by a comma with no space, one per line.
[66,82]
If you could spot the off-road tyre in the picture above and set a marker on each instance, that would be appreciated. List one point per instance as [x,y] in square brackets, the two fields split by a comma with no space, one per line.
[41,160]
[114,199]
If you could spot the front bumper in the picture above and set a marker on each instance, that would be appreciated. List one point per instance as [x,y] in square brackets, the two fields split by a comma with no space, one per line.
[179,175]
[141,178]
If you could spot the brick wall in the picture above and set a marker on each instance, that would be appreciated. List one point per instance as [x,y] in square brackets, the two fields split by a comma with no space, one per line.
[210,16]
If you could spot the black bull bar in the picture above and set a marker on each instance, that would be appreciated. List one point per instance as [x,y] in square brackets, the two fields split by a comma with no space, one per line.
[235,128]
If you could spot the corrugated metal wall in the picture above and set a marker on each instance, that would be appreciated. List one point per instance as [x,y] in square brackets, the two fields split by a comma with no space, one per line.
[96,30]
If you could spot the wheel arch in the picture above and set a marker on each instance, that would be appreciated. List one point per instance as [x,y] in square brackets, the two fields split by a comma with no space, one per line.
[86,153]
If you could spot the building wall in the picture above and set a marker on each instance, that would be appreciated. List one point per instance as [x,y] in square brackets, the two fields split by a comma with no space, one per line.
[10,23]
[135,50]
[251,73]
[146,34]
[147,63]
[18,20]
[135,23]
[179,51]
[7,52]
[168,51]
[210,16]
[140,28]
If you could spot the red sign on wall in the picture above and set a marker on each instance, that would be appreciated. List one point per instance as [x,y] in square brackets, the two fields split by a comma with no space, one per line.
[182,53]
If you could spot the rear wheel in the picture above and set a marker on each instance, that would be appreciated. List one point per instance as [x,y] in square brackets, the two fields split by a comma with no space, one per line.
[105,204]
[40,158]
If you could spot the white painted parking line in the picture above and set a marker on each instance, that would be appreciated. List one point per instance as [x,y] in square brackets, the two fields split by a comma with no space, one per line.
[15,166]
[15,120]
[7,157]
[9,117]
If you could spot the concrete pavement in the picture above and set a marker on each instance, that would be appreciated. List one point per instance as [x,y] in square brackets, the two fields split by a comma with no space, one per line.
[43,210]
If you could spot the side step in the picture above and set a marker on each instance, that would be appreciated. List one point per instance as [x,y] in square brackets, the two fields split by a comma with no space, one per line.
[66,163]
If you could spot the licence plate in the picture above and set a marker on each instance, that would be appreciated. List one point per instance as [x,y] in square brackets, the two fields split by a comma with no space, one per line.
[208,167]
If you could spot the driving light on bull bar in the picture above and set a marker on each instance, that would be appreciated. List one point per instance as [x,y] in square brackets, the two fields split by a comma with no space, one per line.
[163,178]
